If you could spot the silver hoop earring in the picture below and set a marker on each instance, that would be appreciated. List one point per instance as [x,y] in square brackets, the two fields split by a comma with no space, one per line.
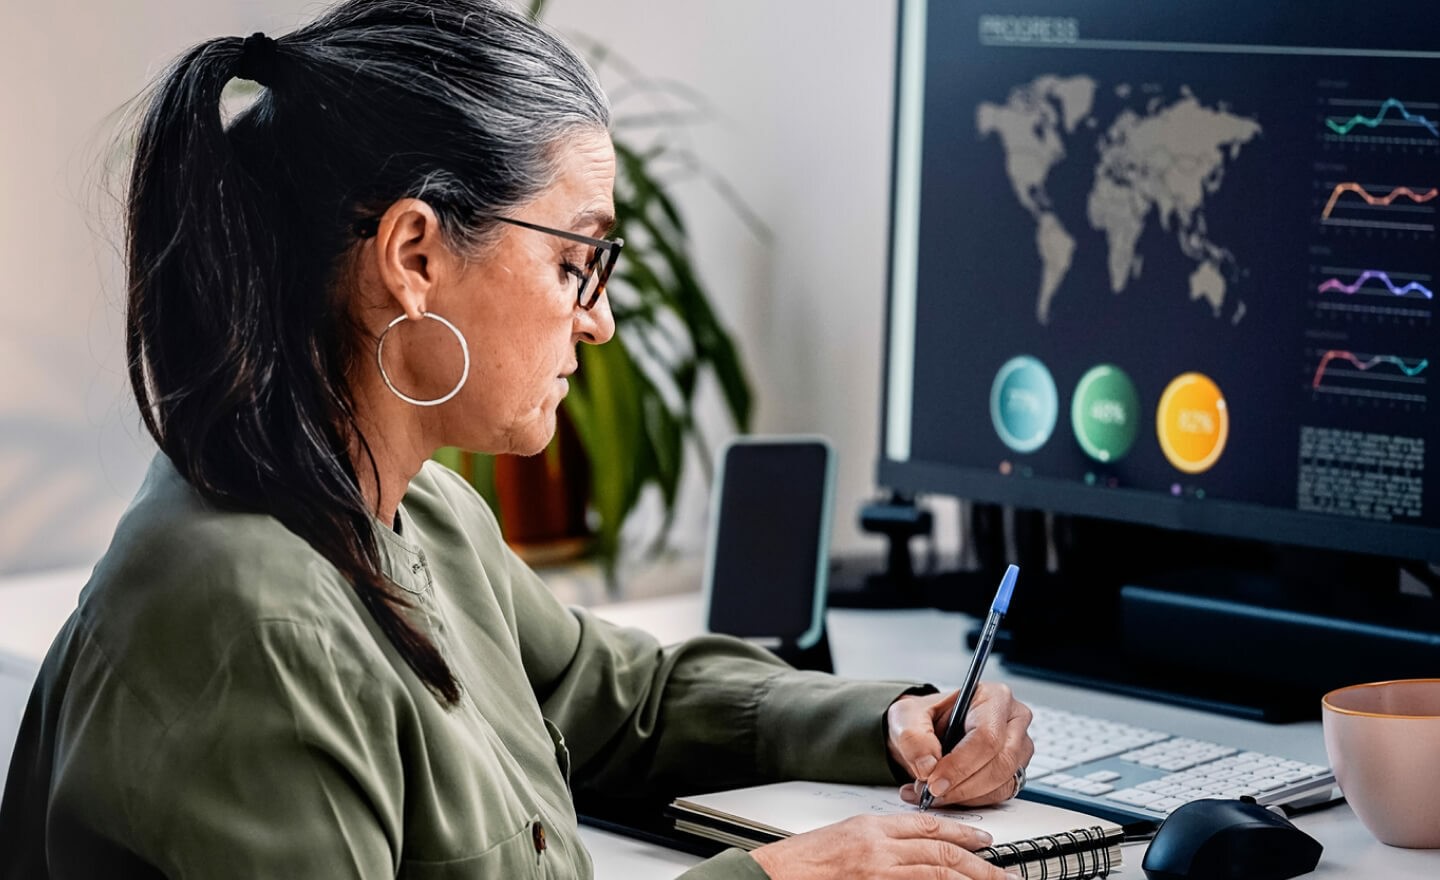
[380,362]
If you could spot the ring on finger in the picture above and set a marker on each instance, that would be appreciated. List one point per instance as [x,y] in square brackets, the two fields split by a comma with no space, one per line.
[1019,781]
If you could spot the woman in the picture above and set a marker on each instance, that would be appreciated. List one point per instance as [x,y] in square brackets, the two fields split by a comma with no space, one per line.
[307,651]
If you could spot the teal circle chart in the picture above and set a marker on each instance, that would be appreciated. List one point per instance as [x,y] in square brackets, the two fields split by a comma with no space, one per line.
[1105,413]
[1024,404]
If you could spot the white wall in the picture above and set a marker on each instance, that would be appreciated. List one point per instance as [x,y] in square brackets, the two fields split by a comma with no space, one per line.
[70,448]
[801,97]
[801,93]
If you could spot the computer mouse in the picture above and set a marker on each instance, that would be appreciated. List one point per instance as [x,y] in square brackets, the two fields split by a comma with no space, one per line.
[1229,840]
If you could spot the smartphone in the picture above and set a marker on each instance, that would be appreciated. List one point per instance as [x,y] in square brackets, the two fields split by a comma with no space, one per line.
[769,547]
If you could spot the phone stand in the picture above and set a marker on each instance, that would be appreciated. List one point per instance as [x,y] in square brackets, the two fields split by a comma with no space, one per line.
[816,657]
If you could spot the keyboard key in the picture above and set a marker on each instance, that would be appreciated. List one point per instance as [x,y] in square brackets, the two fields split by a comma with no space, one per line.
[1133,796]
[1046,762]
[1102,776]
[1096,753]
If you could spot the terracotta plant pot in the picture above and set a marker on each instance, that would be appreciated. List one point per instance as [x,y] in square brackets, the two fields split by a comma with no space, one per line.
[543,498]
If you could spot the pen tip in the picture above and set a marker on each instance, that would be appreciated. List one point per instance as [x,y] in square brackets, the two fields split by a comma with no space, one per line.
[1007,586]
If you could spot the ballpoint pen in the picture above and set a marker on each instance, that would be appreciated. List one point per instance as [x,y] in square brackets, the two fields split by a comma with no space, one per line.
[955,728]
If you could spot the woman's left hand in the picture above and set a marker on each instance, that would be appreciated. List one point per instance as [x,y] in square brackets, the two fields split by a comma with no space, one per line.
[984,766]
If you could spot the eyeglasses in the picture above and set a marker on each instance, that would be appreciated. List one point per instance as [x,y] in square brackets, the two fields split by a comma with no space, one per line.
[603,254]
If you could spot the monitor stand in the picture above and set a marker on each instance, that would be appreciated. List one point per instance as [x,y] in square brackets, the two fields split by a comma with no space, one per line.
[1241,628]
[864,582]
[892,581]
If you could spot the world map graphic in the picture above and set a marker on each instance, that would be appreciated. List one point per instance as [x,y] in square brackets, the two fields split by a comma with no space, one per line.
[1157,163]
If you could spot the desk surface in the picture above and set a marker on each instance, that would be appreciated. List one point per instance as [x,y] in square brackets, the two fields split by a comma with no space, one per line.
[916,645]
[929,645]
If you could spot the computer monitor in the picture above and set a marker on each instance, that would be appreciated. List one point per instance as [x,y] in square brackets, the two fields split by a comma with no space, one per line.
[1170,263]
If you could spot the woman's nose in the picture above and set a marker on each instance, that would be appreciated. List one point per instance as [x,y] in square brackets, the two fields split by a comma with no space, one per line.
[596,325]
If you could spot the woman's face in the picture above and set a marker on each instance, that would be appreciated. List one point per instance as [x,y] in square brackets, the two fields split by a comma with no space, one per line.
[516,306]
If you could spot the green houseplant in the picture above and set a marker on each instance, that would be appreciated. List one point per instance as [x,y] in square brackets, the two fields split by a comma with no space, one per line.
[632,402]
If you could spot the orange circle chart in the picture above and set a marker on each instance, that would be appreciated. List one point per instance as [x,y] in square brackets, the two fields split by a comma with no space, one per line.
[1192,422]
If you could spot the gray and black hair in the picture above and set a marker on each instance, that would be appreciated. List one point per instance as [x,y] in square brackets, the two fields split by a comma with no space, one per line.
[236,238]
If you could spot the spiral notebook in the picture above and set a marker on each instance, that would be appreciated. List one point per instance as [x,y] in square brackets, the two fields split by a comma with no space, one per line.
[1041,840]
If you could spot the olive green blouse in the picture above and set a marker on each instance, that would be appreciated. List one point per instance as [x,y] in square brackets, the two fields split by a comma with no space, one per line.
[220,705]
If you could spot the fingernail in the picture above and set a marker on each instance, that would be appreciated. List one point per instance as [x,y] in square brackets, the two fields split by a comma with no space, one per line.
[925,765]
[985,838]
[1013,874]
[939,786]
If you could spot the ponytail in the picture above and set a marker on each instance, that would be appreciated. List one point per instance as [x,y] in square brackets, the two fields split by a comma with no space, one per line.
[250,406]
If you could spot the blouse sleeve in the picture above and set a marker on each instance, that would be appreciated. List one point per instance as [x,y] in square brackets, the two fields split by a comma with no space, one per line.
[712,712]
[309,785]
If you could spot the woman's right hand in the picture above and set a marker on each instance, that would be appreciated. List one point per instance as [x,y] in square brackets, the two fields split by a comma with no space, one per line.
[911,846]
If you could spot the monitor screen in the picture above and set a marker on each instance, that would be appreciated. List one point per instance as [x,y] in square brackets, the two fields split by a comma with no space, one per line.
[1170,263]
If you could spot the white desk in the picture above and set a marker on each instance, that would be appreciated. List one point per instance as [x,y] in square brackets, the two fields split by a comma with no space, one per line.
[928,645]
[916,645]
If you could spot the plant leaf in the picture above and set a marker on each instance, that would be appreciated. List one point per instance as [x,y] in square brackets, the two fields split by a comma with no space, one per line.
[607,413]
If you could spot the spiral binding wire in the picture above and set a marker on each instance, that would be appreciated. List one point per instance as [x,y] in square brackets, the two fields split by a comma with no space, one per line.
[1034,853]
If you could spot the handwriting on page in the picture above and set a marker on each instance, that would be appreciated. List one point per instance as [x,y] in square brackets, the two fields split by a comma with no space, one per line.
[866,802]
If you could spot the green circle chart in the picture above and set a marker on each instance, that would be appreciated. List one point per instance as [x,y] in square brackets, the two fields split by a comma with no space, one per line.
[1105,413]
[1024,404]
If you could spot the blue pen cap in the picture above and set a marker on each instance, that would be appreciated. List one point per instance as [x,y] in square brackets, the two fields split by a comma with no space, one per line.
[1007,586]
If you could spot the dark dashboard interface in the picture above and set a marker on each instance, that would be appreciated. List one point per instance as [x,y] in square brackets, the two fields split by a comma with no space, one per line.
[1171,263]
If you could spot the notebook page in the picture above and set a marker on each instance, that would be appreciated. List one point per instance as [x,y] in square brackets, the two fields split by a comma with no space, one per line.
[796,807]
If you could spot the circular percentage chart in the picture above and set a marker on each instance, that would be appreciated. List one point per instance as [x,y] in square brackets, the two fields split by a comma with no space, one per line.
[1024,404]
[1192,423]
[1105,413]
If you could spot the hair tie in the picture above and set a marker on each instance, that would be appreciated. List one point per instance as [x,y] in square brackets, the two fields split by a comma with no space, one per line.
[257,59]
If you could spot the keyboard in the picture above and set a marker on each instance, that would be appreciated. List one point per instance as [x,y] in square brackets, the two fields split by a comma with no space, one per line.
[1133,774]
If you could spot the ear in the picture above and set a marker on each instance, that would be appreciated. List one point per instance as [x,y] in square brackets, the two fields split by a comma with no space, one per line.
[410,254]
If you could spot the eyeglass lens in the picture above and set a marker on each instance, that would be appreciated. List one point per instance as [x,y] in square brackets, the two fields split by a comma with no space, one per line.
[597,272]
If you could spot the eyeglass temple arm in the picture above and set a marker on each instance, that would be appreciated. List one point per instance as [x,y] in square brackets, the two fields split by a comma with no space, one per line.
[569,236]
[368,226]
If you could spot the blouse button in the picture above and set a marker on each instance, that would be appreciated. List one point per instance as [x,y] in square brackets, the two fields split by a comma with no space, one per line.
[537,834]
